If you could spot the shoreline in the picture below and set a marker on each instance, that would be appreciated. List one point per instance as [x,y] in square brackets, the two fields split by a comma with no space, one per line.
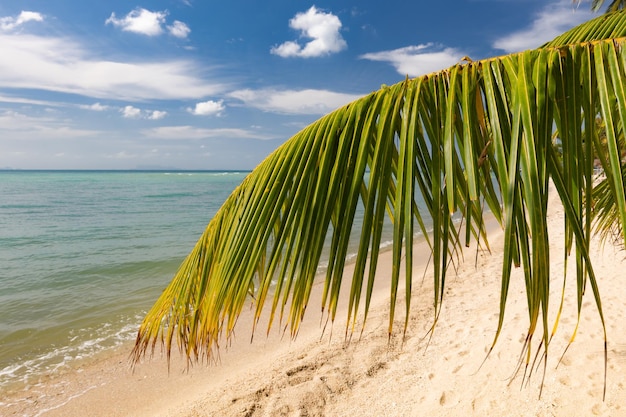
[73,363]
[321,374]
[65,389]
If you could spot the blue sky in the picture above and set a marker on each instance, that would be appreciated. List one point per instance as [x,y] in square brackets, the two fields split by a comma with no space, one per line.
[193,84]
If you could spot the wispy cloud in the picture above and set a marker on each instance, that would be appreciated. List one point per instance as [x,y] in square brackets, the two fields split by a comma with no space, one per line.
[314,102]
[22,100]
[417,60]
[554,19]
[24,127]
[322,28]
[122,155]
[95,107]
[208,108]
[9,23]
[64,65]
[149,23]
[193,132]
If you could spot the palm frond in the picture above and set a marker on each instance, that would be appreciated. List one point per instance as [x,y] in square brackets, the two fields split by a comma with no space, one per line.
[477,131]
[615,5]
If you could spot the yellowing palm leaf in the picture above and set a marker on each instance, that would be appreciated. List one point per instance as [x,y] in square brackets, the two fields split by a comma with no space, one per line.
[478,131]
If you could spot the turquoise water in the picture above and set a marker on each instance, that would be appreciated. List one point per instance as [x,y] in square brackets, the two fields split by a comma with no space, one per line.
[83,255]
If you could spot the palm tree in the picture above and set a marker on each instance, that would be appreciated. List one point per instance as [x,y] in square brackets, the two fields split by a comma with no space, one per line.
[478,133]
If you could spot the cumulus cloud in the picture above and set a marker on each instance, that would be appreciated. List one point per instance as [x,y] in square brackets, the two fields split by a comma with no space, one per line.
[64,65]
[417,60]
[146,22]
[140,21]
[315,102]
[9,23]
[323,30]
[179,29]
[131,112]
[554,19]
[208,108]
[157,115]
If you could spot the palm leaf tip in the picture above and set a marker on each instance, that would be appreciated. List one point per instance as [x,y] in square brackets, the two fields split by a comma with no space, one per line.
[420,152]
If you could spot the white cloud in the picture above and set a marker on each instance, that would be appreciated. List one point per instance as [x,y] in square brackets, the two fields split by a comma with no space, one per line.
[63,65]
[140,21]
[157,115]
[131,112]
[192,132]
[21,100]
[286,49]
[309,101]
[12,120]
[208,108]
[95,107]
[551,21]
[179,29]
[24,127]
[146,22]
[121,155]
[417,60]
[9,23]
[323,30]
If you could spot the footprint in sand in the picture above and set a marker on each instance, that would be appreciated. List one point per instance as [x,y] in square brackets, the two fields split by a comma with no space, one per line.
[567,381]
[598,409]
[566,361]
[448,399]
[374,369]
[300,374]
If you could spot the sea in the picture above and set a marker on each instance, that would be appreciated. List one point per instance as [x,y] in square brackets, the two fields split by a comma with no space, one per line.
[84,254]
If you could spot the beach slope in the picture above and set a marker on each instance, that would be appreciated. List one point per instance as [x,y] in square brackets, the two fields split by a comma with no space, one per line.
[321,374]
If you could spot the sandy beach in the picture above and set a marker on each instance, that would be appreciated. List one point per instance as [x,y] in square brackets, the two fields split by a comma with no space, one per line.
[322,375]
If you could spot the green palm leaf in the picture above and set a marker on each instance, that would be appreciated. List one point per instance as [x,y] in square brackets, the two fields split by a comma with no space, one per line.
[612,7]
[477,131]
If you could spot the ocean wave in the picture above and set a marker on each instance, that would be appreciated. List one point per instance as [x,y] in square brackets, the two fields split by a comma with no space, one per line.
[81,344]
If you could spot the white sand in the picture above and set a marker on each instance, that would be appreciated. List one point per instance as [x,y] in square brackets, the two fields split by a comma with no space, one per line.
[323,376]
